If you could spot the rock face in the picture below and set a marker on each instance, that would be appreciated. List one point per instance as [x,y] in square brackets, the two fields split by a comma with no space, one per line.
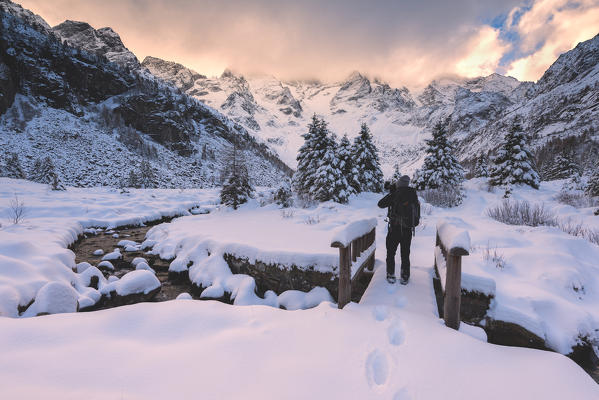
[94,103]
[104,42]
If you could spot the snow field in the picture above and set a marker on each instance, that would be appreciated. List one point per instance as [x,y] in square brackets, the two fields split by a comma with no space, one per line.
[405,353]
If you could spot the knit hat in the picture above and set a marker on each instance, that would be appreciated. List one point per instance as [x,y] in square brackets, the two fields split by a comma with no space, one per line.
[404,181]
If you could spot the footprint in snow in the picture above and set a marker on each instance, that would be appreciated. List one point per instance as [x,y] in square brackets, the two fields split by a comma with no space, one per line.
[377,368]
[396,333]
[402,394]
[380,312]
[401,301]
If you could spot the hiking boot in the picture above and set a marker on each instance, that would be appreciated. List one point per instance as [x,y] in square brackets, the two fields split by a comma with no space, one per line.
[404,279]
[391,278]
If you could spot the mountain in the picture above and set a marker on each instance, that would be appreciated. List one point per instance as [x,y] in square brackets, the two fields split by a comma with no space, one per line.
[98,117]
[104,42]
[560,108]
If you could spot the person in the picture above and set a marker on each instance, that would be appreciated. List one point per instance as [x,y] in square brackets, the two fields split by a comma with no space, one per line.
[403,216]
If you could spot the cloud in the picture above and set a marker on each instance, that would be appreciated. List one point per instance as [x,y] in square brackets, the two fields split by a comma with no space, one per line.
[404,42]
[548,29]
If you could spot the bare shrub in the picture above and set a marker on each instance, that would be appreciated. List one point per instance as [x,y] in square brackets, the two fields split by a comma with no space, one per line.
[445,196]
[16,210]
[287,213]
[576,199]
[493,256]
[521,212]
[312,220]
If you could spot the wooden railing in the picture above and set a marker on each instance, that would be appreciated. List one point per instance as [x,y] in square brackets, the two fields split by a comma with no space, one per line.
[452,244]
[357,245]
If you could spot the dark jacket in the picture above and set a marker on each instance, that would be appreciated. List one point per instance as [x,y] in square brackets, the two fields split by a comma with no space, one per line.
[399,196]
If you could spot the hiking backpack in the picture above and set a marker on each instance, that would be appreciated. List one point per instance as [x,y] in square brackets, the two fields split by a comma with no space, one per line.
[402,211]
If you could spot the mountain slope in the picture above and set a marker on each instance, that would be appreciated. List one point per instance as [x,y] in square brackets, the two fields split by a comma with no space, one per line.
[54,94]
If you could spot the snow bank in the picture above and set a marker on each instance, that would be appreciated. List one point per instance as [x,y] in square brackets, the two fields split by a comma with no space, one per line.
[344,236]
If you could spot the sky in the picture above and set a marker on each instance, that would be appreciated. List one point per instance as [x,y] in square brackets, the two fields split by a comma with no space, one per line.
[404,42]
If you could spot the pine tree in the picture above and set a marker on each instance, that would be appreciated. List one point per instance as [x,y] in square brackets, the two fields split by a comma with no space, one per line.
[440,169]
[396,173]
[13,168]
[346,163]
[513,164]
[236,188]
[562,167]
[43,171]
[481,169]
[133,180]
[147,176]
[329,182]
[309,156]
[283,195]
[592,186]
[369,176]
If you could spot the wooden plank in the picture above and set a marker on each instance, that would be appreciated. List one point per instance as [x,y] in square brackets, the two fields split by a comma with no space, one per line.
[354,250]
[453,291]
[344,293]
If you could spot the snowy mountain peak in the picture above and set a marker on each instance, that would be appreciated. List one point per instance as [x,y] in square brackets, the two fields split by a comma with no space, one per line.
[103,41]
[184,78]
[34,20]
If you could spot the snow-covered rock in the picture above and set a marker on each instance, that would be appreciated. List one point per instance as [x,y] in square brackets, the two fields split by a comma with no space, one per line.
[106,266]
[98,252]
[134,282]
[54,298]
[113,255]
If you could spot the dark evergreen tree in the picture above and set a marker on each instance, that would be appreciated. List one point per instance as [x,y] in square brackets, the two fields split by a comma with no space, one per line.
[43,171]
[236,187]
[592,186]
[562,167]
[369,176]
[346,163]
[441,168]
[481,169]
[329,182]
[513,164]
[283,195]
[133,180]
[309,156]
[13,168]
[147,176]
[396,174]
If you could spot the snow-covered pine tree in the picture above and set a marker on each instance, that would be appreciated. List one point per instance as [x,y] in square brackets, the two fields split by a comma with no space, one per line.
[43,171]
[481,169]
[562,167]
[329,182]
[396,173]
[592,186]
[366,162]
[236,189]
[309,156]
[513,164]
[13,168]
[147,176]
[283,195]
[440,169]
[132,180]
[346,163]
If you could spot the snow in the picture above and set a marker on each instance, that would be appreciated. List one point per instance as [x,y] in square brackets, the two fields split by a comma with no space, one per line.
[138,281]
[54,298]
[353,230]
[452,235]
[106,265]
[145,266]
[388,345]
[98,252]
[114,255]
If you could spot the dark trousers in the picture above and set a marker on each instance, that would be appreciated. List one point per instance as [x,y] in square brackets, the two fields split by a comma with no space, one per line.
[402,236]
